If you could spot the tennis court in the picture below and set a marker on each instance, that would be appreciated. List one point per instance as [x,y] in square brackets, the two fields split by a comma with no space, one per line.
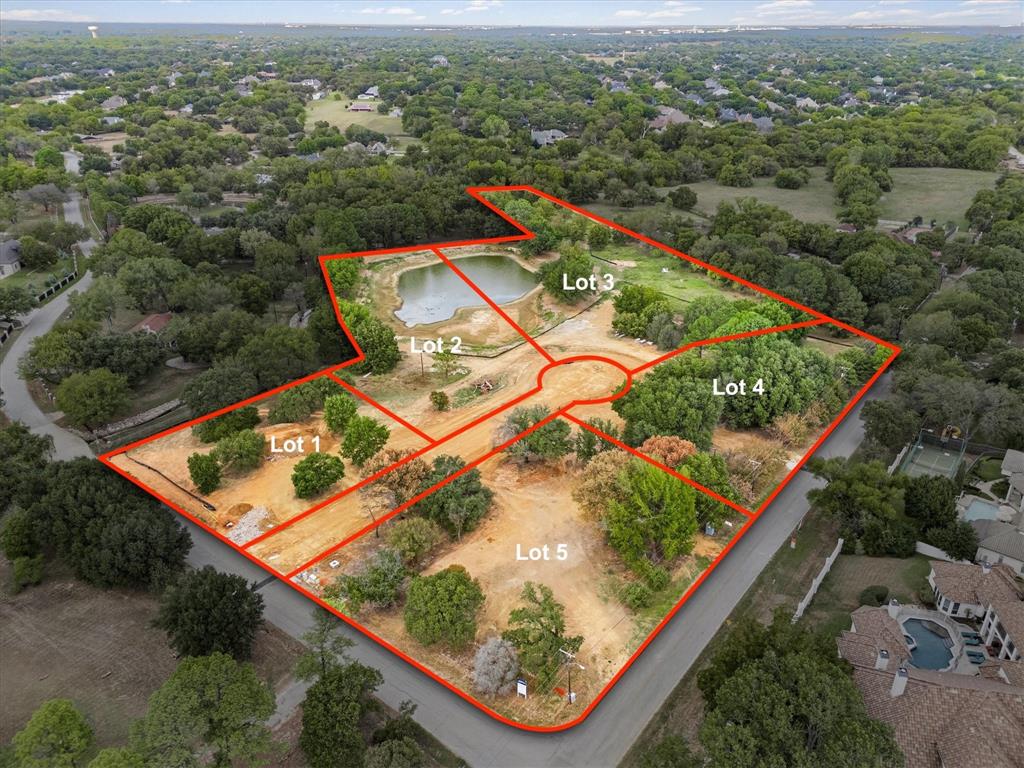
[936,460]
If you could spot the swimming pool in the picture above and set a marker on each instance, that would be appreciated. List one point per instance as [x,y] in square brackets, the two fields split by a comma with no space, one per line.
[933,644]
[979,509]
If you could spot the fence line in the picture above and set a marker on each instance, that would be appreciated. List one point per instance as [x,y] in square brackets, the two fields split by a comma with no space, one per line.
[802,606]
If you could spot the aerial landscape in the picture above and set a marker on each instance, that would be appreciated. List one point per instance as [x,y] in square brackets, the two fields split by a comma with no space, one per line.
[447,384]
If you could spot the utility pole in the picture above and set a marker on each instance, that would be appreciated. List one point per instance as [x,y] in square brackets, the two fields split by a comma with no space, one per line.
[570,660]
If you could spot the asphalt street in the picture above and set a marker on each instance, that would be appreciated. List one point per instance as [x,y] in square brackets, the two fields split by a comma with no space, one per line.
[18,402]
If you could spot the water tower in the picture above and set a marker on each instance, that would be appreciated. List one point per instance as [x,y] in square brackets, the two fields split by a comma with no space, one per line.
[92,31]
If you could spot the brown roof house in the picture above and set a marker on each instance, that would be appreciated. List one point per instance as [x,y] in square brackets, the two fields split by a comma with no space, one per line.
[964,590]
[940,719]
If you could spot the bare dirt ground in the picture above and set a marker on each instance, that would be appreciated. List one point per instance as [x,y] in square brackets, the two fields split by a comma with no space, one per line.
[268,487]
[67,639]
[533,506]
[108,141]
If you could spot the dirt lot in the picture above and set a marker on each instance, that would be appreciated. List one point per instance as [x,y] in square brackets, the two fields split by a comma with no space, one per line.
[67,639]
[533,506]
[269,487]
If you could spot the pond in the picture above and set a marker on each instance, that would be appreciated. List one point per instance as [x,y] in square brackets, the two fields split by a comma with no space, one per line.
[434,293]
[932,641]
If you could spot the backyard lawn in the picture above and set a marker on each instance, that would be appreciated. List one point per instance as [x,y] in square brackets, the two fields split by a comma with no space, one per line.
[943,194]
[336,113]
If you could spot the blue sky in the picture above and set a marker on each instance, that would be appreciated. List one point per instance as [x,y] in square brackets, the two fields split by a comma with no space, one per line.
[657,13]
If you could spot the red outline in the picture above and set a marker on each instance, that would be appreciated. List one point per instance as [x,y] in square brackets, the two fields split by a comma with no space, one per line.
[478,194]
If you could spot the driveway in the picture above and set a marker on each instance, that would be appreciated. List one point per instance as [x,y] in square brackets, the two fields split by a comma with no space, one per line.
[603,739]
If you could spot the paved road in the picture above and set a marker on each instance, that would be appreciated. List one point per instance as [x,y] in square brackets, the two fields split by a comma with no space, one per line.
[19,404]
[603,739]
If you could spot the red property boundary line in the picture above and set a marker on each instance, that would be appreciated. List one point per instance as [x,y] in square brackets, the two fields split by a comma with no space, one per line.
[478,194]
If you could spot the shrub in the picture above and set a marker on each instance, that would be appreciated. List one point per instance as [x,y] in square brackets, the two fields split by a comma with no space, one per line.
[377,584]
[227,424]
[414,538]
[242,451]
[316,473]
[443,608]
[338,412]
[440,401]
[875,595]
[635,595]
[26,571]
[204,470]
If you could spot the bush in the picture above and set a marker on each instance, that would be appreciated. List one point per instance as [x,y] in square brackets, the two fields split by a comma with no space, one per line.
[440,401]
[242,451]
[683,198]
[414,538]
[443,608]
[204,471]
[26,571]
[316,473]
[635,595]
[338,412]
[377,585]
[227,424]
[875,595]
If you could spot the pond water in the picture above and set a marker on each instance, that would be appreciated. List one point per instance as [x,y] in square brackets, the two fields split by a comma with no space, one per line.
[933,644]
[434,293]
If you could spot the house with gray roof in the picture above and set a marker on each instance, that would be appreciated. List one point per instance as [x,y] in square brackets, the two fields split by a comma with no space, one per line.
[546,138]
[10,257]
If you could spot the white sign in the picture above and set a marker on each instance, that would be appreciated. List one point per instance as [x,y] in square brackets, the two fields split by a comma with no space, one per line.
[521,688]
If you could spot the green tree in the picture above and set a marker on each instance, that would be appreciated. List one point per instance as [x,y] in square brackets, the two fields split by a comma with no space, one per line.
[550,441]
[394,753]
[413,538]
[364,437]
[537,630]
[325,648]
[440,401]
[279,355]
[14,301]
[48,157]
[656,520]
[794,709]
[377,583]
[673,399]
[446,363]
[458,505]
[227,424]
[36,254]
[338,412]
[683,198]
[211,705]
[331,714]
[93,398]
[443,608]
[252,293]
[206,612]
[240,451]
[316,473]
[959,540]
[671,752]
[117,757]
[204,469]
[931,501]
[710,470]
[56,736]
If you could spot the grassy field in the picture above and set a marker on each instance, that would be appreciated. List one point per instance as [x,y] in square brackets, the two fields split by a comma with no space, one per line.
[336,113]
[813,202]
[943,194]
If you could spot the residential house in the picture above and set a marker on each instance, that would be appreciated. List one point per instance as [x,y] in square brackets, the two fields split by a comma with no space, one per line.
[1000,543]
[939,719]
[105,72]
[242,91]
[372,92]
[10,257]
[311,82]
[186,110]
[668,116]
[773,107]
[396,112]
[806,103]
[546,138]
[764,124]
[439,61]
[1002,629]
[112,120]
[711,84]
[617,86]
[877,80]
[360,106]
[964,590]
[728,115]
[262,179]
[661,85]
[114,102]
[720,91]
[377,148]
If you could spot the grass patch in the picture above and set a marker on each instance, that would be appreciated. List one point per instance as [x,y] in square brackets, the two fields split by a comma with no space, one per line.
[336,113]
[813,202]
[38,280]
[988,470]
[942,194]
